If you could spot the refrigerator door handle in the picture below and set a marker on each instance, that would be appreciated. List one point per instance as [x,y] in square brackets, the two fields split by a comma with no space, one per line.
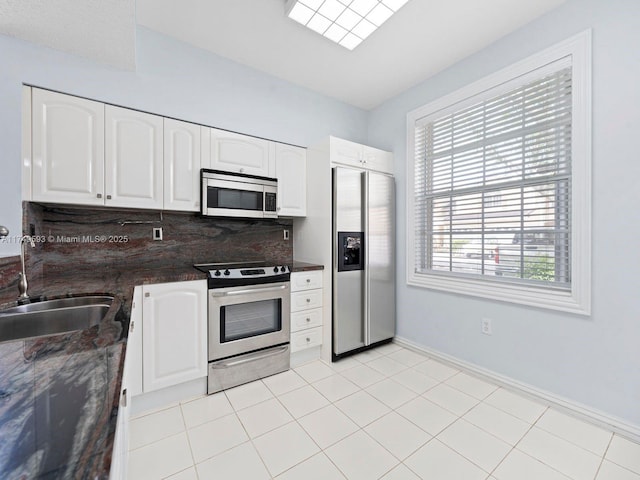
[365,219]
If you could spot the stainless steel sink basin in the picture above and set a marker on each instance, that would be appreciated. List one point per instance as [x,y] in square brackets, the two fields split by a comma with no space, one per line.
[52,317]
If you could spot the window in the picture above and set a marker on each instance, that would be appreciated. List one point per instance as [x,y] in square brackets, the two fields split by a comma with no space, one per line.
[499,184]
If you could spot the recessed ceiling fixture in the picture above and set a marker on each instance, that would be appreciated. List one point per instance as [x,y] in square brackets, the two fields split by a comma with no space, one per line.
[346,22]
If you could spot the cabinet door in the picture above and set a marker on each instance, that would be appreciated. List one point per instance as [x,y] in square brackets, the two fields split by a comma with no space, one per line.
[181,166]
[133,156]
[237,153]
[67,149]
[134,345]
[174,335]
[120,455]
[291,172]
[346,152]
[378,160]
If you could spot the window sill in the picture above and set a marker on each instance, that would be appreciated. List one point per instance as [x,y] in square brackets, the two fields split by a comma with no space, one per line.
[546,298]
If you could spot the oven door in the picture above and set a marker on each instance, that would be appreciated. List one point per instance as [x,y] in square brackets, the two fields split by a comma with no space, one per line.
[223,198]
[248,318]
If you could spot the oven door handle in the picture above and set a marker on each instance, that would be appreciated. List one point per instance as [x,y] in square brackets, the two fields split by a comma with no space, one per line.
[250,358]
[248,291]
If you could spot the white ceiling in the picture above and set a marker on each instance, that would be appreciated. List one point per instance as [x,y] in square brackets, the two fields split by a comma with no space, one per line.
[423,38]
[104,31]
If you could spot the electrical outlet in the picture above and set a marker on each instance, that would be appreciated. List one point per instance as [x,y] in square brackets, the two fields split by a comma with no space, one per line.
[157,233]
[486,326]
[286,234]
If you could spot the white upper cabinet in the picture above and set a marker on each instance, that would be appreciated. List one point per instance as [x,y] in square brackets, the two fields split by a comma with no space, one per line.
[346,152]
[67,149]
[378,160]
[133,157]
[174,338]
[237,153]
[181,166]
[291,172]
[362,156]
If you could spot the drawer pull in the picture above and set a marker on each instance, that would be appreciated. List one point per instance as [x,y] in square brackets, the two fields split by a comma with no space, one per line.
[308,319]
[308,280]
[308,339]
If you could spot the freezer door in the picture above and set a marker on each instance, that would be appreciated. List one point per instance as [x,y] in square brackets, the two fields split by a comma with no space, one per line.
[379,222]
[348,285]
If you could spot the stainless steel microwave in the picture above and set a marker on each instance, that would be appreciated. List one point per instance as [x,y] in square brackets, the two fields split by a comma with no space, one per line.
[226,194]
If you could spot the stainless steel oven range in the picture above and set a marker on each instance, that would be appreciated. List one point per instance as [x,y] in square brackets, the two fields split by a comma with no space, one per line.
[249,322]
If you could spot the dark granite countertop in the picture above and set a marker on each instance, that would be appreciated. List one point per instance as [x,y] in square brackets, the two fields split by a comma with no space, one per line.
[59,398]
[59,394]
[305,267]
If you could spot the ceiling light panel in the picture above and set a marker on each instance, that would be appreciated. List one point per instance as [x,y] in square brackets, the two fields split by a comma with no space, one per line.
[346,22]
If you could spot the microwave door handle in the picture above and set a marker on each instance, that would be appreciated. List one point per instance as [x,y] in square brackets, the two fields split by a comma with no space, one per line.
[245,292]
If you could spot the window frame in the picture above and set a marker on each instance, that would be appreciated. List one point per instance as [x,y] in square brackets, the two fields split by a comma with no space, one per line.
[578,298]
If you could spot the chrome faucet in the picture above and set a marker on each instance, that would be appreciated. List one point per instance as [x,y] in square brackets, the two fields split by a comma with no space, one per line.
[22,284]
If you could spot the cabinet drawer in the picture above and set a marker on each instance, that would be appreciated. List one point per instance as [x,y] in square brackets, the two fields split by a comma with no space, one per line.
[306,339]
[306,280]
[306,300]
[306,319]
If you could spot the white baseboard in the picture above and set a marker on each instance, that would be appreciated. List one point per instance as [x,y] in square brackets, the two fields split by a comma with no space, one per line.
[151,402]
[305,356]
[570,407]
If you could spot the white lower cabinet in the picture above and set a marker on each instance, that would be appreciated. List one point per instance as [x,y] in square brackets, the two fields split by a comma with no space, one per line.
[306,310]
[174,333]
[120,456]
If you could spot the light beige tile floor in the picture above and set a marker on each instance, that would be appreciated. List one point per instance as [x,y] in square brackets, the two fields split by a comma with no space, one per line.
[390,414]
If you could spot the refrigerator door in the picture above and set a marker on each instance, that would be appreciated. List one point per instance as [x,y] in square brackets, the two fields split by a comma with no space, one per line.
[348,284]
[380,256]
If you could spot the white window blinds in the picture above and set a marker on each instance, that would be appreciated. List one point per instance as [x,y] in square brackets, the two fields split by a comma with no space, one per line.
[492,184]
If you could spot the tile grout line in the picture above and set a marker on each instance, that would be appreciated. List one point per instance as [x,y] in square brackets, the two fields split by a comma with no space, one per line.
[186,431]
[604,455]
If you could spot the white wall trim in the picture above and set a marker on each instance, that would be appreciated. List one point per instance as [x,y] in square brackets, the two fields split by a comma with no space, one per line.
[26,143]
[578,299]
[576,409]
[168,397]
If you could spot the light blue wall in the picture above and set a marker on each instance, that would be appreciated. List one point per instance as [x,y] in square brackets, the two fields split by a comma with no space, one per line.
[172,79]
[593,360]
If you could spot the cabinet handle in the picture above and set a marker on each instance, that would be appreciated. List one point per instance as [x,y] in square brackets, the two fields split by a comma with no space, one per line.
[308,319]
[308,300]
[308,339]
[108,197]
[308,280]
[99,195]
[241,170]
[124,397]
[147,294]
[131,328]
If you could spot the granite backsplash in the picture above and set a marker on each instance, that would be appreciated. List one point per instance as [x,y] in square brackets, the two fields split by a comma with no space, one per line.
[109,250]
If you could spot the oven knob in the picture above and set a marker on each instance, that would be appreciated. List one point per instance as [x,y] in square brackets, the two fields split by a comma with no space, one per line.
[227,272]
[283,269]
[217,274]
[275,269]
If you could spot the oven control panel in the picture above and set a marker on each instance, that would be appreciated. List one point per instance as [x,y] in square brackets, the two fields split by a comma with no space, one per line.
[221,275]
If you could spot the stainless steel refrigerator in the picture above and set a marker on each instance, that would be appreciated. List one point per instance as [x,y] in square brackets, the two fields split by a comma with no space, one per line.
[363,259]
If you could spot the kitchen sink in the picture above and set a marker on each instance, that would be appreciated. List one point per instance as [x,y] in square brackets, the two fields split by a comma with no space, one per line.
[52,317]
